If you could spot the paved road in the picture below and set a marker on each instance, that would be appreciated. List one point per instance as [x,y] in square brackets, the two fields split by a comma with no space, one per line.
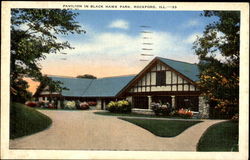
[83,130]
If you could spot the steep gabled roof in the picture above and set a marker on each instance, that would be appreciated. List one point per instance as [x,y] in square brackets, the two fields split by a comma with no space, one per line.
[187,69]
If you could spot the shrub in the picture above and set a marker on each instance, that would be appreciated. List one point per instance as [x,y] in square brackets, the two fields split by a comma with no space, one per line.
[92,103]
[161,109]
[69,105]
[84,106]
[185,113]
[51,106]
[41,104]
[235,118]
[121,106]
[174,113]
[31,104]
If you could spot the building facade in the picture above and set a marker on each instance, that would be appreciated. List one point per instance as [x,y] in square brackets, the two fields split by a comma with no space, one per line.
[162,80]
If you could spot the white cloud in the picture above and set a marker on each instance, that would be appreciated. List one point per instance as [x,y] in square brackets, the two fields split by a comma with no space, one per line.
[121,24]
[190,23]
[119,49]
[191,38]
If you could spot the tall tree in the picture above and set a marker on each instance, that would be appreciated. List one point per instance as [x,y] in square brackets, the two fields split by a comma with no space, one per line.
[34,35]
[88,76]
[218,52]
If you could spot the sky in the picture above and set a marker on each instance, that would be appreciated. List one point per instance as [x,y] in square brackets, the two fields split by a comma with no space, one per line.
[112,45]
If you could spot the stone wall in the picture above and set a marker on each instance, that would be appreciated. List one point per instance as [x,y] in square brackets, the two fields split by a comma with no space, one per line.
[203,107]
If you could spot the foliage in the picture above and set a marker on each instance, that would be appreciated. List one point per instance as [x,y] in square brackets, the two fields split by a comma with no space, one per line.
[88,76]
[225,137]
[19,91]
[53,86]
[25,120]
[70,105]
[218,52]
[33,36]
[31,104]
[41,104]
[51,106]
[121,106]
[161,109]
[163,128]
[235,118]
[185,113]
[92,103]
[84,106]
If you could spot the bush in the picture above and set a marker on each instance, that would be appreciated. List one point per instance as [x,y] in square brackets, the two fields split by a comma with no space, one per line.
[92,103]
[235,118]
[69,105]
[121,106]
[174,113]
[31,104]
[51,106]
[41,104]
[84,106]
[161,109]
[185,113]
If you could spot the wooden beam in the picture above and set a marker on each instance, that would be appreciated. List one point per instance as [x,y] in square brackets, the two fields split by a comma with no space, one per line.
[166,93]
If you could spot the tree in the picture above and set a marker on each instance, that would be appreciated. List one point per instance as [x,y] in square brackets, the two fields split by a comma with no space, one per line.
[20,92]
[89,76]
[33,36]
[218,52]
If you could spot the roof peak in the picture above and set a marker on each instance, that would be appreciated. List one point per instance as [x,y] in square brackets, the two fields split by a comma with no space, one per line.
[175,60]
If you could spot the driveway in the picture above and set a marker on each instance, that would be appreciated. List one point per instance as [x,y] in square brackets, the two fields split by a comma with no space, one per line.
[84,130]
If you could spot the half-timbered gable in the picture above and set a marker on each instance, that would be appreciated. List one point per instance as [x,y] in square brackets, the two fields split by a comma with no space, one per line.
[165,81]
[162,78]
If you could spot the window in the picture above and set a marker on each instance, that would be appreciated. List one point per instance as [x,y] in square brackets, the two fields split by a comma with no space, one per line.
[161,78]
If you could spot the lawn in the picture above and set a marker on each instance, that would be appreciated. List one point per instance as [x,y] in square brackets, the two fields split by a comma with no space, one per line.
[220,137]
[163,128]
[25,120]
[133,115]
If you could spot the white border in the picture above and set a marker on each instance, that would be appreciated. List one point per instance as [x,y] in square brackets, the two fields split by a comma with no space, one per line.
[59,154]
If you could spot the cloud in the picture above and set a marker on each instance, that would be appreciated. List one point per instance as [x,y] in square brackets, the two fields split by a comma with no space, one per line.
[108,53]
[191,38]
[191,23]
[121,24]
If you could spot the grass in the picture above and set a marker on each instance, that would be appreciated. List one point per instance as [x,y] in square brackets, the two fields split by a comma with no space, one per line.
[25,120]
[133,115]
[163,128]
[220,137]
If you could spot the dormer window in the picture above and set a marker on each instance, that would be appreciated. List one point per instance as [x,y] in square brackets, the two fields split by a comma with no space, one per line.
[161,78]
